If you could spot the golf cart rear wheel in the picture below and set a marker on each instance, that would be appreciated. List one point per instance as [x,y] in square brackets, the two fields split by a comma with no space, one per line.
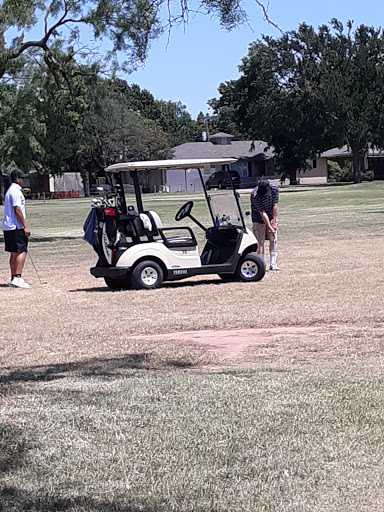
[122,283]
[251,268]
[147,275]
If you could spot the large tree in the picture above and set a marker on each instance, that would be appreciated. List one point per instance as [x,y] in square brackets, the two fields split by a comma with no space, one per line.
[129,26]
[55,130]
[173,117]
[310,90]
[268,103]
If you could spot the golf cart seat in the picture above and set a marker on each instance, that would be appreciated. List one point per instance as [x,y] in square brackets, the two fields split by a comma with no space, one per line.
[221,244]
[154,220]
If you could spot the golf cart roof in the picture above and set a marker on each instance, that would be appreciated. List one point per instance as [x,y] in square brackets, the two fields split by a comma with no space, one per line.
[188,163]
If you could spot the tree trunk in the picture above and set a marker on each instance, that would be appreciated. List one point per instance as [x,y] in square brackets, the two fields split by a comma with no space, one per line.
[85,178]
[293,176]
[356,165]
[2,194]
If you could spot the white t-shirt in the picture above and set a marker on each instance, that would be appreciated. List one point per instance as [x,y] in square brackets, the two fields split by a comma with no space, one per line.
[13,197]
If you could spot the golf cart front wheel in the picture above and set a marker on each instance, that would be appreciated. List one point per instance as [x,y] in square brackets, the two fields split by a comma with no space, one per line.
[147,275]
[251,268]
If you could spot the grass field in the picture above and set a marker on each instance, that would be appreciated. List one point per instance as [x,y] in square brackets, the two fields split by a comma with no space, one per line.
[202,395]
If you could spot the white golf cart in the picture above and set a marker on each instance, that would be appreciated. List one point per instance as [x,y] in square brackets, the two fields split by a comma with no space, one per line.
[136,251]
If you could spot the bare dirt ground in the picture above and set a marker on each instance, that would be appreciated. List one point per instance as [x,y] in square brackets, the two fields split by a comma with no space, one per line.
[299,344]
[326,306]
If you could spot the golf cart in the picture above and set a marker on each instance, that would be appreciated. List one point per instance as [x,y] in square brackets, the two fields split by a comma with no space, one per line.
[135,250]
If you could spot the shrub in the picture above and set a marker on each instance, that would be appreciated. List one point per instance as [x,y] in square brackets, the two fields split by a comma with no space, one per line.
[367,175]
[338,174]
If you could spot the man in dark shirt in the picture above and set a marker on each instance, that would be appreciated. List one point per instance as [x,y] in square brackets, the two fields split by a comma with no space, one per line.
[264,203]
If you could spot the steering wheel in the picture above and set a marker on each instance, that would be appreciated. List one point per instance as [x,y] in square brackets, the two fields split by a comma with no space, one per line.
[184,211]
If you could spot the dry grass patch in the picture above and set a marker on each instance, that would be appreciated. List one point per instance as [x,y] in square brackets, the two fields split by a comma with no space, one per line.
[109,401]
[255,440]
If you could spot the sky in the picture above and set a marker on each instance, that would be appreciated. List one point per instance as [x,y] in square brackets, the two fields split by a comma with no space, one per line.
[190,66]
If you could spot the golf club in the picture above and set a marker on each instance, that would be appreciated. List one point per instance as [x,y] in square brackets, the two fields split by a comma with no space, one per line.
[42,281]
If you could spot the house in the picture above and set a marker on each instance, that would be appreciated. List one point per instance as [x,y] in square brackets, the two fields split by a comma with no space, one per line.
[254,160]
[373,160]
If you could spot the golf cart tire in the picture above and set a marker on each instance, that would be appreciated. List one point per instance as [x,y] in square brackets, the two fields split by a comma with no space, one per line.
[251,268]
[147,275]
[118,283]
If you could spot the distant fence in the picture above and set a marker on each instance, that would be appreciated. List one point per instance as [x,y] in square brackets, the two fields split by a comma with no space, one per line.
[54,195]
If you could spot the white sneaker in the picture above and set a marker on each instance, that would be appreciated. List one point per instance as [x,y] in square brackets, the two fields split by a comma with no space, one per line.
[274,268]
[18,282]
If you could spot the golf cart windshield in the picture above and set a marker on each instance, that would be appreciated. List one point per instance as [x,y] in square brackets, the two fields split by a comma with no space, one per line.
[226,209]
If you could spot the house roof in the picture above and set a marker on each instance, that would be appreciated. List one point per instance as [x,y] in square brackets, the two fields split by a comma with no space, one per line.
[346,151]
[237,149]
[221,135]
[337,152]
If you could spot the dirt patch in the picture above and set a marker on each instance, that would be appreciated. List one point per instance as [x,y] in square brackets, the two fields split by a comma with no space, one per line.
[284,344]
[232,344]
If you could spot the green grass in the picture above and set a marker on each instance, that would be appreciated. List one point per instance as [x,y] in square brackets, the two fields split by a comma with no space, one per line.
[323,211]
[95,419]
[303,440]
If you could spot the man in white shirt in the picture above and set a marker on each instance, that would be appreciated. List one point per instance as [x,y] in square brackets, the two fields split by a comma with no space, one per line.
[16,232]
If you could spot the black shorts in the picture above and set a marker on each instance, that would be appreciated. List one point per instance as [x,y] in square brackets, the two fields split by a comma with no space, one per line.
[15,241]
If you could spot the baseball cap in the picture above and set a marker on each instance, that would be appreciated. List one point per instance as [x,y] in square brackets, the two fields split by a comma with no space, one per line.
[17,173]
[262,187]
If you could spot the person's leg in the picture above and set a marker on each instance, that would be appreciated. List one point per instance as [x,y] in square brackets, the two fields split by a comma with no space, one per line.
[18,258]
[10,239]
[19,262]
[12,263]
[273,252]
[259,231]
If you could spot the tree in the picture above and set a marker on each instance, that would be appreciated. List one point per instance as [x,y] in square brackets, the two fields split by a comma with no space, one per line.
[351,67]
[111,132]
[267,103]
[171,117]
[308,91]
[21,129]
[129,26]
[176,123]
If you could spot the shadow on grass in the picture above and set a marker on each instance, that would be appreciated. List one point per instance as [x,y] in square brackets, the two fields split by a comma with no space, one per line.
[38,239]
[13,452]
[16,500]
[13,448]
[106,368]
[35,240]
[306,187]
[173,284]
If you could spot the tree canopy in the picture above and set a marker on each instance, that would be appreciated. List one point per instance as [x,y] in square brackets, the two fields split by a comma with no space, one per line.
[130,27]
[308,91]
[96,123]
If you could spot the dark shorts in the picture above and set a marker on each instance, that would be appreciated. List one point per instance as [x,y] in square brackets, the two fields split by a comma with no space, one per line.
[15,241]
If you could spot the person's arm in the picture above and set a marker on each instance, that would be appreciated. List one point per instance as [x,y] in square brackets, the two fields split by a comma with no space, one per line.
[267,222]
[20,218]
